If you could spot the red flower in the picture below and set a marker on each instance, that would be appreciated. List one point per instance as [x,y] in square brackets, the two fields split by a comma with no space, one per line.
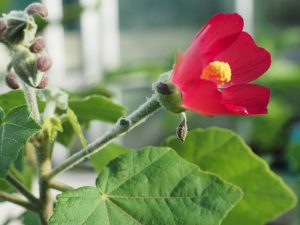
[213,75]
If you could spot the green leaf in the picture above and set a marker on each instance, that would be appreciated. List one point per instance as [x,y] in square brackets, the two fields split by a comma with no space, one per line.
[222,152]
[67,137]
[30,218]
[11,99]
[103,157]
[152,186]
[2,114]
[15,130]
[96,108]
[76,126]
[5,186]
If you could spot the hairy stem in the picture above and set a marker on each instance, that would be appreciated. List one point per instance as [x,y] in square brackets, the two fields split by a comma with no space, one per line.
[23,190]
[120,128]
[44,152]
[16,200]
[31,101]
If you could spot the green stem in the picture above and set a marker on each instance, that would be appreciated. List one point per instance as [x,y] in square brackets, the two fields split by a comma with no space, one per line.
[16,200]
[123,126]
[60,186]
[44,167]
[31,100]
[23,190]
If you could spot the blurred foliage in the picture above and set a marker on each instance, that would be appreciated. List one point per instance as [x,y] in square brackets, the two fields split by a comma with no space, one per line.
[30,218]
[283,12]
[145,14]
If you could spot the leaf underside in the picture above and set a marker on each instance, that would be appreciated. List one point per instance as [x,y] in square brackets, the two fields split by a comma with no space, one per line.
[152,186]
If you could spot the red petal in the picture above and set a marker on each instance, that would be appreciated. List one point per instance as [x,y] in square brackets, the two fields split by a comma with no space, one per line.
[217,28]
[246,99]
[246,59]
[215,36]
[203,97]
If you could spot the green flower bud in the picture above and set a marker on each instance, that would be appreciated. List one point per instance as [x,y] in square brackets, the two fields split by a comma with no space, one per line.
[21,28]
[169,97]
[25,66]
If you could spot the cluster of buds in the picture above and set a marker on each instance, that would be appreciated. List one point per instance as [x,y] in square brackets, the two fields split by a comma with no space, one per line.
[29,61]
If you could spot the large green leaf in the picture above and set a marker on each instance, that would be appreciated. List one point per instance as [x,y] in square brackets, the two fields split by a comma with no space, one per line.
[103,157]
[15,130]
[222,152]
[152,186]
[96,107]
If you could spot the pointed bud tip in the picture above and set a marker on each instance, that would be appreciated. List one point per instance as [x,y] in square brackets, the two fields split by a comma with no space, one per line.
[36,8]
[12,81]
[181,133]
[38,45]
[44,83]
[163,88]
[44,63]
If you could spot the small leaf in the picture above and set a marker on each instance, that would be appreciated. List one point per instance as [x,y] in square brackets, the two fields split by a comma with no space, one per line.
[52,125]
[76,126]
[15,130]
[103,157]
[152,186]
[96,108]
[222,152]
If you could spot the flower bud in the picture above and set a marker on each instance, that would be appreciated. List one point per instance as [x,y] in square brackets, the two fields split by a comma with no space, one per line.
[36,8]
[182,128]
[21,28]
[44,63]
[169,97]
[163,88]
[25,66]
[38,45]
[3,27]
[44,83]
[12,81]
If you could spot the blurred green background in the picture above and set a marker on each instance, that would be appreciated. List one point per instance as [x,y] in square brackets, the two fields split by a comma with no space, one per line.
[153,31]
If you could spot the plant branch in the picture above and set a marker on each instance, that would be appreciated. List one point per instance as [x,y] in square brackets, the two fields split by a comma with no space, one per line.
[44,152]
[120,128]
[60,186]
[31,101]
[23,190]
[16,200]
